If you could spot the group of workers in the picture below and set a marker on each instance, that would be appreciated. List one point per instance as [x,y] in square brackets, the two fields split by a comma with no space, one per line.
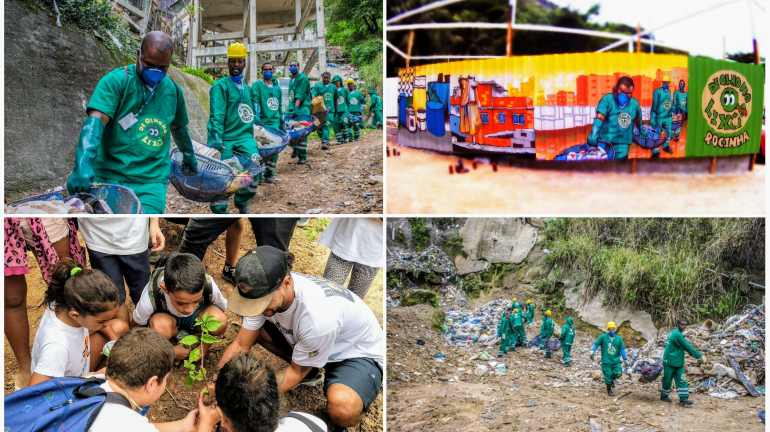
[611,345]
[134,110]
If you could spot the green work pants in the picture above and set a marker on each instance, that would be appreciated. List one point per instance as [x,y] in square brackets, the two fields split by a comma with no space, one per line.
[243,196]
[302,145]
[356,133]
[323,131]
[664,123]
[611,372]
[377,120]
[680,379]
[565,354]
[340,125]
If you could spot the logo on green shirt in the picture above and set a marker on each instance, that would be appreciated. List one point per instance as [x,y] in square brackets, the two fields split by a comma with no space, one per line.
[624,120]
[272,103]
[246,114]
[152,132]
[291,97]
[611,349]
[667,104]
[340,100]
[353,101]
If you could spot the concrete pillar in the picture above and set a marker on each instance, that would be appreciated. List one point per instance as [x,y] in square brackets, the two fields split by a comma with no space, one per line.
[321,35]
[252,65]
[195,33]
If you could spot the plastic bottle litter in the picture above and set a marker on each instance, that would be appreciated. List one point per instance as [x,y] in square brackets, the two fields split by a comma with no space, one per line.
[481,370]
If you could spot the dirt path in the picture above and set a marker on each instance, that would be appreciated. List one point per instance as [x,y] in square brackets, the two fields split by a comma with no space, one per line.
[536,394]
[311,259]
[419,182]
[333,181]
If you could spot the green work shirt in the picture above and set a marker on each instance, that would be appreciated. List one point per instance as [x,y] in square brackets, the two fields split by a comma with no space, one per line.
[516,305]
[517,322]
[376,103]
[299,88]
[567,334]
[141,153]
[231,112]
[661,103]
[676,346]
[355,101]
[530,311]
[546,330]
[342,99]
[502,327]
[267,103]
[680,100]
[618,125]
[611,348]
[329,93]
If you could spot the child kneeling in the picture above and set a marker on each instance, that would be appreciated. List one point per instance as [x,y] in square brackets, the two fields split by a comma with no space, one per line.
[179,292]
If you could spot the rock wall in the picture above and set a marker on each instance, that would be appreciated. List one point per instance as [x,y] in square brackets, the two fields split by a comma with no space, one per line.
[494,240]
[591,310]
[50,73]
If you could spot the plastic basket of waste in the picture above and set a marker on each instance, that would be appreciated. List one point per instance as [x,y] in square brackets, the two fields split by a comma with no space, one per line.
[654,139]
[120,199]
[649,369]
[50,196]
[554,344]
[353,119]
[271,141]
[677,118]
[103,198]
[602,151]
[302,125]
[215,180]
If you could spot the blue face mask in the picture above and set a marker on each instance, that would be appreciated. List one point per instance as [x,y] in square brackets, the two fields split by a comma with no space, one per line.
[622,99]
[681,87]
[151,76]
[236,78]
[612,332]
[268,75]
[293,70]
[665,86]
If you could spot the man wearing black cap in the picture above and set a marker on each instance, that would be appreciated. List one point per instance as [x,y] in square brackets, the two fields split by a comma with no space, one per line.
[311,323]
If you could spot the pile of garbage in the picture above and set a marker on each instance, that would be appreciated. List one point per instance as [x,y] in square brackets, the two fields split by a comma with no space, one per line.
[735,353]
[431,260]
[462,328]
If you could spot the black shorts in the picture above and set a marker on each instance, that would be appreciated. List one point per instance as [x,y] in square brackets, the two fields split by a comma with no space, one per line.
[135,269]
[363,375]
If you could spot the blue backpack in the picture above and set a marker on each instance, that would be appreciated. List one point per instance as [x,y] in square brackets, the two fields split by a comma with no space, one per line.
[59,404]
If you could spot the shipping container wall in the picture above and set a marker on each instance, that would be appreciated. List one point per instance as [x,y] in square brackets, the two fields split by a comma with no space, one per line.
[592,106]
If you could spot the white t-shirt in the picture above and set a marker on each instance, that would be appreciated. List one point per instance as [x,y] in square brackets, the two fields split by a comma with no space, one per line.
[60,350]
[116,236]
[355,239]
[145,308]
[326,323]
[117,418]
[288,424]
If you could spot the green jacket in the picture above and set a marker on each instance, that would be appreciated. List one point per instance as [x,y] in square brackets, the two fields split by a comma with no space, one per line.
[680,100]
[546,330]
[530,312]
[611,348]
[299,88]
[267,104]
[567,333]
[231,112]
[502,327]
[676,346]
[355,102]
[376,103]
[661,103]
[342,100]
[517,322]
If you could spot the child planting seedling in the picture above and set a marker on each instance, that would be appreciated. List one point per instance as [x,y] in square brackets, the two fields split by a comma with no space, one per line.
[207,325]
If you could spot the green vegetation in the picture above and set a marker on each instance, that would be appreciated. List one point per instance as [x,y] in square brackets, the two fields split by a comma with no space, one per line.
[475,283]
[200,73]
[668,267]
[421,297]
[437,323]
[454,247]
[420,233]
[356,26]
[207,324]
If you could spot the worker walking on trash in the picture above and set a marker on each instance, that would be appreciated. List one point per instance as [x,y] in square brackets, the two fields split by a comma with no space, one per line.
[503,333]
[546,331]
[355,106]
[529,313]
[231,124]
[132,114]
[517,325]
[673,364]
[329,93]
[613,348]
[340,124]
[515,304]
[566,339]
[375,107]
[660,114]
[680,106]
[299,104]
[266,96]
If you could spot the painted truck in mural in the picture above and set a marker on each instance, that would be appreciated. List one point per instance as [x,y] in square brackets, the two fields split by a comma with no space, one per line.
[574,107]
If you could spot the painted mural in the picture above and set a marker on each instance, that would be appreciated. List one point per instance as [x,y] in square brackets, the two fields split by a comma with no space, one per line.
[573,107]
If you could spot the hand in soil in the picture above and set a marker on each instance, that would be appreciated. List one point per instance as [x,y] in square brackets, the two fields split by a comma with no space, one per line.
[209,414]
[189,424]
[180,352]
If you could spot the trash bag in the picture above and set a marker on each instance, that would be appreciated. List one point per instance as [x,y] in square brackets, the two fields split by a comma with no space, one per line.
[554,344]
[648,368]
[535,342]
[761,415]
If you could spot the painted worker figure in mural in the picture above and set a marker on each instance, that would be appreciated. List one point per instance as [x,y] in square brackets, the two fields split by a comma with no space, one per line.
[660,115]
[680,106]
[329,93]
[231,123]
[616,115]
[266,96]
[340,124]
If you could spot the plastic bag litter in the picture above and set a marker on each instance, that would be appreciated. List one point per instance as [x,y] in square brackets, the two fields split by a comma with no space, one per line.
[722,370]
[85,202]
[233,162]
[725,395]
[649,369]
[534,342]
[761,415]
[554,344]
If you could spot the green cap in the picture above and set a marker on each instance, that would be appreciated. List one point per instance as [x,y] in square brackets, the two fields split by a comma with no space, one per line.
[337,78]
[372,91]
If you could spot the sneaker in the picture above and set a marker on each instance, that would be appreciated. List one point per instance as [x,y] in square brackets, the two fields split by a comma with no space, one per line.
[685,402]
[294,153]
[357,139]
[270,179]
[610,393]
[303,222]
[313,378]
[228,273]
[665,399]
[324,146]
[302,162]
[243,209]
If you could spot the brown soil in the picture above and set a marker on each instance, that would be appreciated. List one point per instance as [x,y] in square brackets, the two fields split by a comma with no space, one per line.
[422,397]
[330,179]
[311,259]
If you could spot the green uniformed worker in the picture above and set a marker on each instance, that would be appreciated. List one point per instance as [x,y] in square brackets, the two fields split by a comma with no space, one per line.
[125,139]
[566,338]
[355,106]
[680,104]
[613,348]
[517,326]
[546,331]
[616,114]
[299,104]
[329,93]
[231,123]
[660,114]
[673,364]
[340,124]
[530,311]
[541,346]
[515,304]
[266,96]
[503,333]
[375,107]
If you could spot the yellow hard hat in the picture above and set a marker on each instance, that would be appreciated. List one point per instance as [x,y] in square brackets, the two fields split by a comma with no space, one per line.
[666,78]
[548,313]
[611,324]
[514,299]
[237,50]
[350,80]
[515,310]
[529,301]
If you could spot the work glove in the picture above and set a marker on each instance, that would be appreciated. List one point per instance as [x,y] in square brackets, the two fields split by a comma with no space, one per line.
[702,360]
[90,138]
[593,356]
[625,364]
[184,143]
[216,142]
[593,138]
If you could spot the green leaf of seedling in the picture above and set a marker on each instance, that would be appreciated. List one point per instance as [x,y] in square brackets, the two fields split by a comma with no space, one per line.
[213,326]
[206,317]
[189,340]
[203,369]
[189,365]
[206,390]
[199,376]
[198,322]
[209,339]
[194,355]
[189,381]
